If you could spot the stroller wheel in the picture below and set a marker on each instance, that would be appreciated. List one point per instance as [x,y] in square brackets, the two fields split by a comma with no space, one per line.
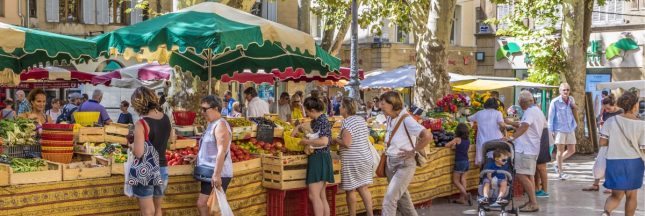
[481,212]
[503,214]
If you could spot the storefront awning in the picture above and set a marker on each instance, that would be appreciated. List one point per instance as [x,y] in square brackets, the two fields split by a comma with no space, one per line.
[484,85]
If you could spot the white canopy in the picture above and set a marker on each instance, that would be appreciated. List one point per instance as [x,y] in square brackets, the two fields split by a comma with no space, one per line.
[625,85]
[401,77]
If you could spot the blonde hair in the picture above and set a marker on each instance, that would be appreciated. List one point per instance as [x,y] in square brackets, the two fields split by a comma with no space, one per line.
[350,105]
[144,100]
[236,106]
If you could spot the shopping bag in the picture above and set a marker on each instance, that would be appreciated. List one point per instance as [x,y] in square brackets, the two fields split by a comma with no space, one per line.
[217,204]
[376,157]
[127,188]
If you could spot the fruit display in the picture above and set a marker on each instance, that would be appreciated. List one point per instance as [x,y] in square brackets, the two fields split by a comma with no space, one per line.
[258,147]
[442,137]
[450,126]
[239,154]
[18,132]
[20,165]
[239,122]
[92,148]
[378,136]
[262,121]
[283,124]
[178,157]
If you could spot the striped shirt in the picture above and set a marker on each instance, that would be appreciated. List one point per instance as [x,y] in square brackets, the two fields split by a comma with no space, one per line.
[356,170]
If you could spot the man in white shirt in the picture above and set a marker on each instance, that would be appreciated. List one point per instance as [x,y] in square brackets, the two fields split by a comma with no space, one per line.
[256,107]
[527,137]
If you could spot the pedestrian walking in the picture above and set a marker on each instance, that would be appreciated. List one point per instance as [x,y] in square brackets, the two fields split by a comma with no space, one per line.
[562,126]
[319,164]
[461,144]
[541,178]
[489,126]
[526,138]
[402,135]
[214,168]
[624,136]
[356,156]
[152,130]
[609,109]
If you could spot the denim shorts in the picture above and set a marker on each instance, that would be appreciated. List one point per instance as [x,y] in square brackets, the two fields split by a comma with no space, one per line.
[152,191]
[461,166]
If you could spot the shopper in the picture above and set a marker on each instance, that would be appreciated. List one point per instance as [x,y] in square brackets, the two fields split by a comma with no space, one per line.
[154,128]
[284,109]
[37,100]
[609,109]
[8,112]
[527,137]
[70,108]
[375,110]
[256,106]
[624,135]
[55,110]
[94,105]
[237,110]
[125,117]
[500,105]
[228,104]
[297,110]
[356,156]
[214,167]
[302,97]
[319,164]
[562,125]
[489,127]
[21,102]
[461,144]
[541,178]
[401,148]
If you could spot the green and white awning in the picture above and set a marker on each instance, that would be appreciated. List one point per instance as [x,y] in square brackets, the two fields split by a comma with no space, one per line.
[217,39]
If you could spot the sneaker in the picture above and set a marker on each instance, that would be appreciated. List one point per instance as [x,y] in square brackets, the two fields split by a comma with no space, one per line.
[564,176]
[542,194]
[501,201]
[555,168]
[483,200]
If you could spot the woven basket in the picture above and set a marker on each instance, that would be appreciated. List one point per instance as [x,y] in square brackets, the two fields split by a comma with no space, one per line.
[54,143]
[56,148]
[58,127]
[58,136]
[64,158]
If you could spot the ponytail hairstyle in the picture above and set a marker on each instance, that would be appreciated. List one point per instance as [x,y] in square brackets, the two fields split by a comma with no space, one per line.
[144,100]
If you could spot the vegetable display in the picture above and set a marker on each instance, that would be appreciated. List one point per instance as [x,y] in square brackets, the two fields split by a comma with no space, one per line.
[178,157]
[20,131]
[239,122]
[441,138]
[21,165]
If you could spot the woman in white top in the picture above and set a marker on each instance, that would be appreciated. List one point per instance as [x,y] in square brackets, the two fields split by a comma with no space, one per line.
[625,137]
[489,126]
[401,147]
[55,111]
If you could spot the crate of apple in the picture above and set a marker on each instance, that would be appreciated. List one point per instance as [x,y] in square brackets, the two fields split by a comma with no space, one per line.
[239,154]
[177,157]
[267,148]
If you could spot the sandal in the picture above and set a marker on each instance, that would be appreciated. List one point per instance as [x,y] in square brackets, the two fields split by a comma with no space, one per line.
[608,191]
[593,187]
[529,209]
[523,205]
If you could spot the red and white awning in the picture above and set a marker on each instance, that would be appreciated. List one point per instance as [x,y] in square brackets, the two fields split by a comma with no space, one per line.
[289,74]
[147,74]
[55,74]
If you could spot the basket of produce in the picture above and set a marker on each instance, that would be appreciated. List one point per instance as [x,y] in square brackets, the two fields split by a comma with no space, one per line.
[14,171]
[292,143]
[58,127]
[184,118]
[62,156]
[87,119]
[18,132]
[54,143]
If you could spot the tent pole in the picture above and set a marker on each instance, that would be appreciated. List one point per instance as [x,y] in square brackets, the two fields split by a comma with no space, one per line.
[210,73]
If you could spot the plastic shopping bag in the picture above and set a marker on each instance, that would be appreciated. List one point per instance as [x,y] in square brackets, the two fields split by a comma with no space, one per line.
[127,188]
[376,157]
[217,204]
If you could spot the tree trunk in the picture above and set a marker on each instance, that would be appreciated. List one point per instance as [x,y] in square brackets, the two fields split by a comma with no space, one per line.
[431,25]
[331,42]
[574,47]
[304,20]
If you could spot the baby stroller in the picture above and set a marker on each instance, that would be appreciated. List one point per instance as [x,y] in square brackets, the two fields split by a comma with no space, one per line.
[508,170]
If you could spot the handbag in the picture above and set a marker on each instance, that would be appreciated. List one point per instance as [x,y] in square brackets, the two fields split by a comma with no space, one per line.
[380,169]
[145,171]
[420,157]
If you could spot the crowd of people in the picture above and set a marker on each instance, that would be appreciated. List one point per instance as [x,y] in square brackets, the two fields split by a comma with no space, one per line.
[621,140]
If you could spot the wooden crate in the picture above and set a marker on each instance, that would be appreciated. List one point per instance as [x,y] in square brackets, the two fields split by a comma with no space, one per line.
[288,172]
[116,168]
[247,165]
[79,170]
[117,129]
[116,139]
[180,170]
[91,134]
[183,143]
[53,173]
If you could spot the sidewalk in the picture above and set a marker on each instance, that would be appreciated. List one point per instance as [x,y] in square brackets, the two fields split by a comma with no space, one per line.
[567,198]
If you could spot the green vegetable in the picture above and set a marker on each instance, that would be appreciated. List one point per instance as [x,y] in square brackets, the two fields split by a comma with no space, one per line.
[20,165]
[19,131]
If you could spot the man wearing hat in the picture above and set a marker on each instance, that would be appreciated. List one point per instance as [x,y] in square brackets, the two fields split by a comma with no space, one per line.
[71,107]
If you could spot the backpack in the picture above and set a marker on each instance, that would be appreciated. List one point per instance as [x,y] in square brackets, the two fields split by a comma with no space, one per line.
[66,116]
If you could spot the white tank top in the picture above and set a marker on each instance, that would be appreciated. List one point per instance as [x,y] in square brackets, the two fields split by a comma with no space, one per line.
[207,155]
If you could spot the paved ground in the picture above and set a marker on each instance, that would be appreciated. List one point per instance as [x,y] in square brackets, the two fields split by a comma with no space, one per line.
[567,198]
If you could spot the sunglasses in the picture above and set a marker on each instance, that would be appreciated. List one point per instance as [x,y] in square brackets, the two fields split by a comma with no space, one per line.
[504,160]
[204,109]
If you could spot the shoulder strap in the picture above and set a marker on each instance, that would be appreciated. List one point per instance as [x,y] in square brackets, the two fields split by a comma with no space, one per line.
[408,134]
[145,128]
[631,143]
[396,127]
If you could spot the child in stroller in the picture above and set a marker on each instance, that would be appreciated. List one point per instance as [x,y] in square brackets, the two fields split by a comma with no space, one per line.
[501,158]
[496,178]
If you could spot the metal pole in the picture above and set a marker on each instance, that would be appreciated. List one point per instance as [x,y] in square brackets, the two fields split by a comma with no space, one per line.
[354,83]
[210,75]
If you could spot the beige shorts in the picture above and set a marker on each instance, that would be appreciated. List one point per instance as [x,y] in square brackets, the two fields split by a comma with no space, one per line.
[565,138]
[525,164]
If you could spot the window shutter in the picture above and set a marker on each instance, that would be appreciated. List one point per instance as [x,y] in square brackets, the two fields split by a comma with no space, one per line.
[102,12]
[89,11]
[135,13]
[596,15]
[273,10]
[52,10]
[620,8]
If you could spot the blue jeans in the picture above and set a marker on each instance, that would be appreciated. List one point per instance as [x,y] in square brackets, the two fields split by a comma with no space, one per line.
[152,191]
